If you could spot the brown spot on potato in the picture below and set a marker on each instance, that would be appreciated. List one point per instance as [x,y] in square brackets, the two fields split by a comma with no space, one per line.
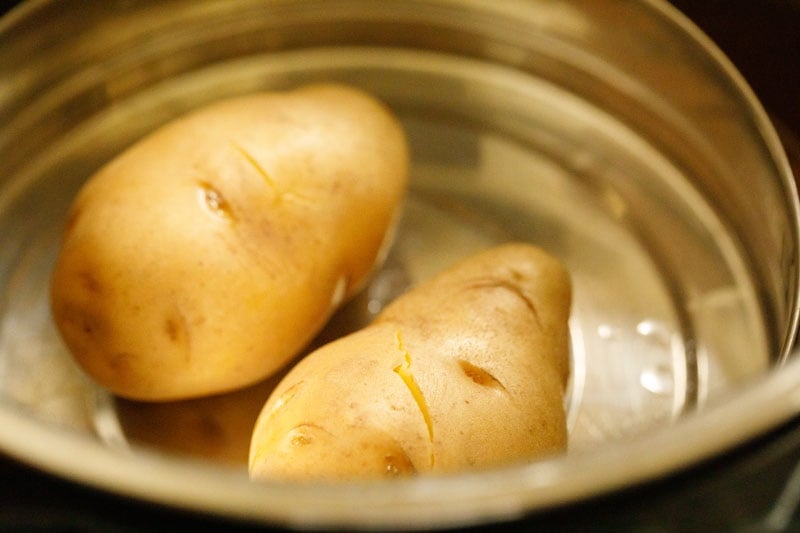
[78,323]
[120,362]
[479,375]
[87,325]
[176,328]
[72,218]
[89,282]
[81,321]
[172,327]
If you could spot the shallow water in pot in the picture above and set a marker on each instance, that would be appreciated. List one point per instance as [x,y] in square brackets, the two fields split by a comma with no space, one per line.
[498,155]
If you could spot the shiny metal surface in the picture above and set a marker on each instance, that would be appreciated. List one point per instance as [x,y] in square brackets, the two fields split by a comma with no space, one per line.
[639,157]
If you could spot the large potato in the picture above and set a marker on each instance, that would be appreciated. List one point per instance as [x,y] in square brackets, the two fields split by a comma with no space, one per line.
[204,257]
[468,370]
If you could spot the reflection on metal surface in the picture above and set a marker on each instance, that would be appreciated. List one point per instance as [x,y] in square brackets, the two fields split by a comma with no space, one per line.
[105,421]
[787,504]
[658,380]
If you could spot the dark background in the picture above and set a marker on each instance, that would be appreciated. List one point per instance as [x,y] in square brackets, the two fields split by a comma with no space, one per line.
[735,492]
[762,38]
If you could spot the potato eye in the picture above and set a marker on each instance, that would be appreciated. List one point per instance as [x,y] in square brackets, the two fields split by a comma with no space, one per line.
[214,202]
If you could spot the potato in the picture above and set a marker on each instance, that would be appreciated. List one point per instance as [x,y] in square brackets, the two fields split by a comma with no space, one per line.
[204,257]
[468,370]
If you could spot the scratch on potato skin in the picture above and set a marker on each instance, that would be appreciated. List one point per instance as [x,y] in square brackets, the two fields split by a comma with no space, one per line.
[268,416]
[280,193]
[404,371]
[495,283]
[256,165]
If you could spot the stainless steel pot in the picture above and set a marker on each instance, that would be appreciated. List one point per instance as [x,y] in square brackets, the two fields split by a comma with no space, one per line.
[612,133]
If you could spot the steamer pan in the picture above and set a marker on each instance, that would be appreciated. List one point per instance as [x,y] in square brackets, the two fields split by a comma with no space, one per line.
[614,134]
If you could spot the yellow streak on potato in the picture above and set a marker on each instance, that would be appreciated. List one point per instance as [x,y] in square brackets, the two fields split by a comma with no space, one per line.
[404,371]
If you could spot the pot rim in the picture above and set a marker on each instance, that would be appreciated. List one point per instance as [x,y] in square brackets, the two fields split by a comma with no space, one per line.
[501,494]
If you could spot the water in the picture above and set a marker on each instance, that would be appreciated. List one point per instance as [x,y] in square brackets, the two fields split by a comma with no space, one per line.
[664,311]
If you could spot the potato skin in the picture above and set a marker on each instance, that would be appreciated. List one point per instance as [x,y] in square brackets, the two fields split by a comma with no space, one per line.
[204,257]
[468,370]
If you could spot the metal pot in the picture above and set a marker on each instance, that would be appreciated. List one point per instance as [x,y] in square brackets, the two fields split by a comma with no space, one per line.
[612,133]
